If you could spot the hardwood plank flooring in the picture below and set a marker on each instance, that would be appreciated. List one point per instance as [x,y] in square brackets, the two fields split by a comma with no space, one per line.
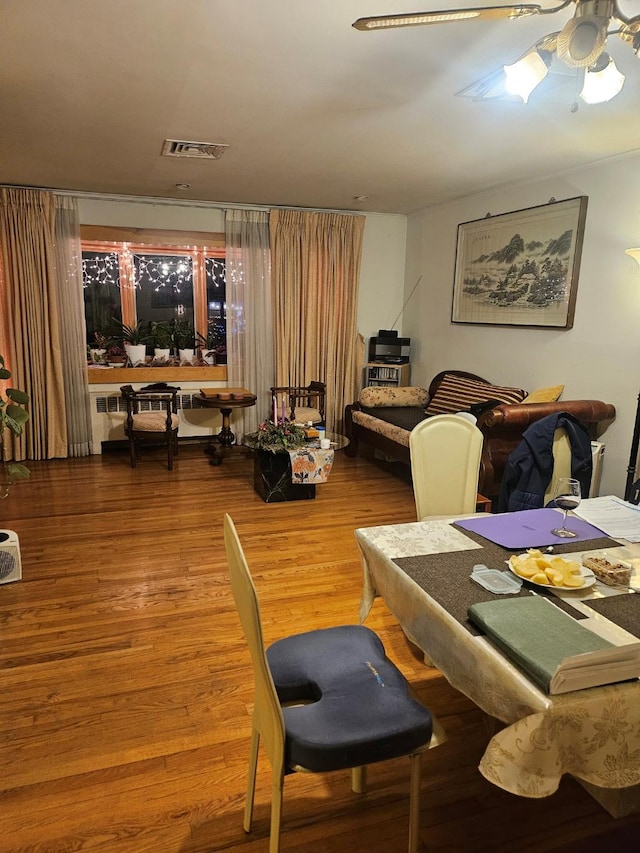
[125,686]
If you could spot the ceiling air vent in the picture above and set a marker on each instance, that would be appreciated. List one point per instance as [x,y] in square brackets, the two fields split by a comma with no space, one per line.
[201,150]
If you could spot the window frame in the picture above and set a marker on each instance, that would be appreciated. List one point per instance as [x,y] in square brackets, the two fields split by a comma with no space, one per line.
[127,241]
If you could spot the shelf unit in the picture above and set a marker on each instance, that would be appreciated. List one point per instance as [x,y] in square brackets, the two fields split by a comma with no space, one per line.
[389,375]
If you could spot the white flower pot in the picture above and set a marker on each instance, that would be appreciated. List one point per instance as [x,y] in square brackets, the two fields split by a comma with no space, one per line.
[208,357]
[186,355]
[97,355]
[162,354]
[136,353]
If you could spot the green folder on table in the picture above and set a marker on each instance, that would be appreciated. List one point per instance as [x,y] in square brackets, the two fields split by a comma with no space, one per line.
[553,649]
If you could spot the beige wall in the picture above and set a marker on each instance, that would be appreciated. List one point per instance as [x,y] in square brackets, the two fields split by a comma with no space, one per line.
[598,357]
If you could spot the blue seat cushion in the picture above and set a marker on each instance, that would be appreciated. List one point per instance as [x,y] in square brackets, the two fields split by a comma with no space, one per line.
[359,710]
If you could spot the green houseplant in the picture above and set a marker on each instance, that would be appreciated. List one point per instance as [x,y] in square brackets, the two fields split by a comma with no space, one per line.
[183,334]
[134,335]
[212,346]
[135,339]
[160,333]
[13,416]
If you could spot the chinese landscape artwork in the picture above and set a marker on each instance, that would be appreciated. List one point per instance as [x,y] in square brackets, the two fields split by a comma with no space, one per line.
[521,268]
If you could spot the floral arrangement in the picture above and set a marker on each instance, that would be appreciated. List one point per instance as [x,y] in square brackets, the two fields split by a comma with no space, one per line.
[276,436]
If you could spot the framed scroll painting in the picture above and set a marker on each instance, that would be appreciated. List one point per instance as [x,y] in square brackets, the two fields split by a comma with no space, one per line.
[520,268]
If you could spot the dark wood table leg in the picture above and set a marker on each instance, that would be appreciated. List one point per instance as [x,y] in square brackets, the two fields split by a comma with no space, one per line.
[224,439]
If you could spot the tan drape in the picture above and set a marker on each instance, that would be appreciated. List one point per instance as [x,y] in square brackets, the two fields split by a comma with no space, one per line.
[30,321]
[72,326]
[249,312]
[315,269]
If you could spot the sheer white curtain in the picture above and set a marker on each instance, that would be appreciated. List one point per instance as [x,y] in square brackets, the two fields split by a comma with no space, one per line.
[68,259]
[250,361]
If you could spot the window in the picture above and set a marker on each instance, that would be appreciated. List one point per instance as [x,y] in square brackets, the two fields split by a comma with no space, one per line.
[174,276]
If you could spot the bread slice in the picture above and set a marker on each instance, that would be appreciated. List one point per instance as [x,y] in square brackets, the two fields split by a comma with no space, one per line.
[611,574]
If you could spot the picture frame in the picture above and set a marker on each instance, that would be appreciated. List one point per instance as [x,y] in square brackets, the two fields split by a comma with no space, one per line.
[520,268]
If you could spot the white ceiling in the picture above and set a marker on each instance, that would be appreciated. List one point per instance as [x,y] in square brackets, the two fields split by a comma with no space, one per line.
[314,112]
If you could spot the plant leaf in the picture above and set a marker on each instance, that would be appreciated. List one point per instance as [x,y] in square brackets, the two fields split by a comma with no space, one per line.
[17,471]
[17,396]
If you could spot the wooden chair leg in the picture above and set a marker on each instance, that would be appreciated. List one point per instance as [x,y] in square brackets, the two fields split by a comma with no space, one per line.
[414,803]
[251,780]
[277,788]
[132,451]
[170,453]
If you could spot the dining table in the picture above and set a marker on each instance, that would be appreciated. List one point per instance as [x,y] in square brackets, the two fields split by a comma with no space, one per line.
[422,571]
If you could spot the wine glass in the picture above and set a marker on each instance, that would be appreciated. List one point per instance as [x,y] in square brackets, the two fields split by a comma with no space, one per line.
[566,496]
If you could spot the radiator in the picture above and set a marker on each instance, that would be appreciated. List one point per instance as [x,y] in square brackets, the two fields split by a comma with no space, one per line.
[108,413]
[597,456]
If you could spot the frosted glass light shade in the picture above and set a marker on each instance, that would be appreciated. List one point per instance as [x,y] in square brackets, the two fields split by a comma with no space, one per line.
[525,74]
[601,86]
[635,253]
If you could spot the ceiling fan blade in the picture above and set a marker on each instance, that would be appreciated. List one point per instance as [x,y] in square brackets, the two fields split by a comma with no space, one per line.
[418,19]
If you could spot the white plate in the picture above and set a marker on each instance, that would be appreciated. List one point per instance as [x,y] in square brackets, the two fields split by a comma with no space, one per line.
[587,574]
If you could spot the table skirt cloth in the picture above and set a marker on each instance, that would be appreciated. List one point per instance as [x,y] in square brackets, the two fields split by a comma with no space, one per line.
[592,734]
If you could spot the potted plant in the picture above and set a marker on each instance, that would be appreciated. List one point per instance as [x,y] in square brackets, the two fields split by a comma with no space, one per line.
[98,351]
[276,437]
[272,477]
[13,416]
[212,347]
[184,337]
[135,339]
[160,333]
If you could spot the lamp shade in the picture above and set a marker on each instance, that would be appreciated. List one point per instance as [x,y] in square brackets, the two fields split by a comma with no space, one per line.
[635,253]
[525,74]
[601,82]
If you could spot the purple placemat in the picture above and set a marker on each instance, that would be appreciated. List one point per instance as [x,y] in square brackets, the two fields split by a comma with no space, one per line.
[529,528]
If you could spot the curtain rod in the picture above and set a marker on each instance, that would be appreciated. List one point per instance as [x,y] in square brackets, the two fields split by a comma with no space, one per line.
[183,202]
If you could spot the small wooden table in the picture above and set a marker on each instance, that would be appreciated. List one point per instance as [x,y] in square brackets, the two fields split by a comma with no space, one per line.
[225,399]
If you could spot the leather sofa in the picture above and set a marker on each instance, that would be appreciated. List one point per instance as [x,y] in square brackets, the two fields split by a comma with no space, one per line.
[386,425]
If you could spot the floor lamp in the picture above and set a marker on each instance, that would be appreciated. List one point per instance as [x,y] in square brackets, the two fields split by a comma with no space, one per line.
[632,489]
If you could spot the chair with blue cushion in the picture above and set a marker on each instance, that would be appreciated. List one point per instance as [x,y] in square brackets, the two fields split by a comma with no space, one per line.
[325,700]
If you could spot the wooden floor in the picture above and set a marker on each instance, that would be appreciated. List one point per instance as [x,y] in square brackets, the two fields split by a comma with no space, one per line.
[125,688]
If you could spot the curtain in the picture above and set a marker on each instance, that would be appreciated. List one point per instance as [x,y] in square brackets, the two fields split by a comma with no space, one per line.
[250,360]
[30,320]
[315,267]
[72,329]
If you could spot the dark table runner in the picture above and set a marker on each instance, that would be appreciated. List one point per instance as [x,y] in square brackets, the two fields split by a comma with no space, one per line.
[445,577]
[622,609]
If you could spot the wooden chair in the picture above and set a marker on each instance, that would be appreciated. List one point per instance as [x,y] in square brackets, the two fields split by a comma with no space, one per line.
[302,404]
[325,700]
[445,465]
[159,423]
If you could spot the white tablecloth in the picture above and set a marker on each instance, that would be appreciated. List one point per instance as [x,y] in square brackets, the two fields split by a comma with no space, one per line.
[592,734]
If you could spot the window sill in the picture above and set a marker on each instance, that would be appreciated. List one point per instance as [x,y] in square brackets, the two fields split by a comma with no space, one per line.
[117,375]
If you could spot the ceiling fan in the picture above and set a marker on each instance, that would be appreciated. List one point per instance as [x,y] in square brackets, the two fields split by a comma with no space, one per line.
[579,44]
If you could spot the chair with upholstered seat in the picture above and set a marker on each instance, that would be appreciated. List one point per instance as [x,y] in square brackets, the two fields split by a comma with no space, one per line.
[445,465]
[152,417]
[302,404]
[325,700]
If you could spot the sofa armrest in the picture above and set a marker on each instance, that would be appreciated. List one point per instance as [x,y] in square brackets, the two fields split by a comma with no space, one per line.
[503,427]
[518,416]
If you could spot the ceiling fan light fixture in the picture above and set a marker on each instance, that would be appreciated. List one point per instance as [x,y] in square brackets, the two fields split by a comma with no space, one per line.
[602,81]
[582,40]
[524,75]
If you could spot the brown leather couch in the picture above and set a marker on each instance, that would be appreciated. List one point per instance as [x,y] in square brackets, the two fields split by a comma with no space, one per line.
[502,427]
